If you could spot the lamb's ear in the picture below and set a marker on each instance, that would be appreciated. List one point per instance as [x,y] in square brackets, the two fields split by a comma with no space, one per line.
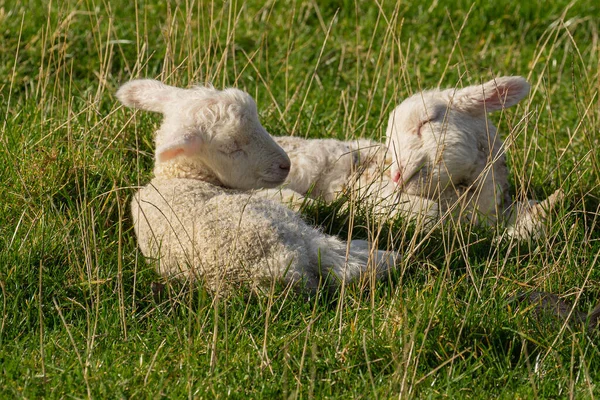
[494,95]
[147,94]
[188,145]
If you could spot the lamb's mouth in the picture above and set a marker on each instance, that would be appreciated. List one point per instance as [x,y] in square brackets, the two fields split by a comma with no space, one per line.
[420,170]
[272,182]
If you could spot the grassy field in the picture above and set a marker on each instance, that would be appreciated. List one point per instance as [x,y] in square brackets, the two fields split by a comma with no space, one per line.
[78,317]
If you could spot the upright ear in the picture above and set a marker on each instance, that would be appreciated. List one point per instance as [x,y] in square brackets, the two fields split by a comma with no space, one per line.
[188,145]
[494,95]
[147,94]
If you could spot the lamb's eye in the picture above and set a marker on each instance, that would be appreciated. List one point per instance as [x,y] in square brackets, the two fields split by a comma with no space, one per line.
[422,124]
[232,151]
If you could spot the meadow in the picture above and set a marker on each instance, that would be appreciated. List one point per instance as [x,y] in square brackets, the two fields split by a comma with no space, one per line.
[79,314]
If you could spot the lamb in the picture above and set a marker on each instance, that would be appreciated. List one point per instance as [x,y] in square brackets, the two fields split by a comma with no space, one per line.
[442,156]
[443,145]
[200,215]
[445,148]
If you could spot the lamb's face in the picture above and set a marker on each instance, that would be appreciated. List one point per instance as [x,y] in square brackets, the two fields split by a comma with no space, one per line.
[211,131]
[432,145]
[230,140]
[244,156]
[442,138]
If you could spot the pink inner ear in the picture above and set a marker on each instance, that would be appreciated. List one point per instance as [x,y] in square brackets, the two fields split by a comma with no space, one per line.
[505,92]
[188,145]
[169,154]
[498,98]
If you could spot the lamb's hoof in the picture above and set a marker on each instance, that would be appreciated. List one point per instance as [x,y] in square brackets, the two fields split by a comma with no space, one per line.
[529,220]
[543,208]
[388,259]
[384,260]
[360,245]
[157,291]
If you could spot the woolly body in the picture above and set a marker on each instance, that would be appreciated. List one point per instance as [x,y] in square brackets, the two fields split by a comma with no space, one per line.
[224,236]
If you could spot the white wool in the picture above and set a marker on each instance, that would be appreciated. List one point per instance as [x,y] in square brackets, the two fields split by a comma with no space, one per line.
[442,157]
[200,216]
[360,169]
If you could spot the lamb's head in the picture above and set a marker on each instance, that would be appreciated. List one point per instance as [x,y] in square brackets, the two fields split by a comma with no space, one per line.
[209,134]
[443,138]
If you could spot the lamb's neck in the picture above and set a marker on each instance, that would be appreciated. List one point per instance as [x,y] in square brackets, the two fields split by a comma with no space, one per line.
[491,159]
[488,189]
[186,170]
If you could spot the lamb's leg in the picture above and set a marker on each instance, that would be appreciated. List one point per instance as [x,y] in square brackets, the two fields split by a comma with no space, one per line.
[384,261]
[528,220]
[336,263]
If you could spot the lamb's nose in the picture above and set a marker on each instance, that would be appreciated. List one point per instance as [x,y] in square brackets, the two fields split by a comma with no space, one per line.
[285,166]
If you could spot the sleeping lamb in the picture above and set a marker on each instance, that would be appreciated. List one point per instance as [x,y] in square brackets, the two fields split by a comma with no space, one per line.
[200,217]
[442,157]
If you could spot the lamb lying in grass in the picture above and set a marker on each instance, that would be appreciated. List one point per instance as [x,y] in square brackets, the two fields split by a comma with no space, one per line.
[199,216]
[444,147]
[442,157]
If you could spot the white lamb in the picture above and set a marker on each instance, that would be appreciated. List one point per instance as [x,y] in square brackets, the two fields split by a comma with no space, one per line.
[444,148]
[442,156]
[199,216]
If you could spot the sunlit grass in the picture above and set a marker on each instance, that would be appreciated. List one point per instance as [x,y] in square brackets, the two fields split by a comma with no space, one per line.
[79,317]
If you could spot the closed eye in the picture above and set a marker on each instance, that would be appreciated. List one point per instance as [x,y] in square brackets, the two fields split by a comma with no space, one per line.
[232,152]
[231,148]
[421,124]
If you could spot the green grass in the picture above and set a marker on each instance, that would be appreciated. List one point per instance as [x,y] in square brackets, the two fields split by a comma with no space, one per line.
[78,318]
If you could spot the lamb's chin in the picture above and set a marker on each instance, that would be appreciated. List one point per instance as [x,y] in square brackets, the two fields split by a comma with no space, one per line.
[271,184]
[421,189]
